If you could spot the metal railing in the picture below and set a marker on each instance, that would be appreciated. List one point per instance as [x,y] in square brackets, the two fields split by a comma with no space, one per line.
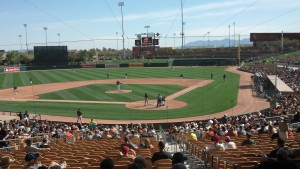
[18,142]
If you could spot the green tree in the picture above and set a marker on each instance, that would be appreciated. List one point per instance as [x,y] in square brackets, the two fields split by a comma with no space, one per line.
[92,53]
[72,56]
[13,57]
[84,55]
[23,59]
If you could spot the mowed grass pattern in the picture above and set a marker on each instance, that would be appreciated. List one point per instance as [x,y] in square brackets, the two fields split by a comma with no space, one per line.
[215,97]
[97,92]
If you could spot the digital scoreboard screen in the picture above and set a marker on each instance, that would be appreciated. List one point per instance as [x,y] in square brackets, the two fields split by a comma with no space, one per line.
[137,42]
[146,41]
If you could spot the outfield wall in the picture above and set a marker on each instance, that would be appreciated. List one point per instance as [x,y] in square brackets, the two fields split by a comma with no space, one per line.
[175,62]
[205,62]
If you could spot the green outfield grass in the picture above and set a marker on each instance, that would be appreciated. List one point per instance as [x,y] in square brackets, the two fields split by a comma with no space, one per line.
[215,97]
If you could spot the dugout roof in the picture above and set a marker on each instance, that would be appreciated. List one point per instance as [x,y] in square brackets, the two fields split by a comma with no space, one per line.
[279,84]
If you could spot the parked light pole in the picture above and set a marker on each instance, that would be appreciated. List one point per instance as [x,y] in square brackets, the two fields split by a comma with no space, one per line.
[121,4]
[20,36]
[58,39]
[45,29]
[25,26]
[229,36]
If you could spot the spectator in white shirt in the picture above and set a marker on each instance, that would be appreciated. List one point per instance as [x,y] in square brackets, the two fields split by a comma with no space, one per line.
[216,145]
[229,144]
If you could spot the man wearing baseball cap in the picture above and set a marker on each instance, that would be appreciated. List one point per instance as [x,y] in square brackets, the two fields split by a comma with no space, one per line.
[31,161]
[216,144]
[178,161]
[229,144]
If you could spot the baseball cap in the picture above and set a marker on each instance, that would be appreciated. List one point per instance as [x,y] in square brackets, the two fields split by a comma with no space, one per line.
[178,157]
[125,149]
[227,138]
[31,156]
[216,138]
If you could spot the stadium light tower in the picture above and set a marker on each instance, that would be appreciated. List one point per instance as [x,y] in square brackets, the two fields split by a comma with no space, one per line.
[174,34]
[58,39]
[184,23]
[233,34]
[117,41]
[25,26]
[182,34]
[121,4]
[147,27]
[229,36]
[203,40]
[20,36]
[45,29]
[208,39]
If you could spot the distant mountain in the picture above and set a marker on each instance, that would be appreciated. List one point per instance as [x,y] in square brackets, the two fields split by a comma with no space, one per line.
[218,43]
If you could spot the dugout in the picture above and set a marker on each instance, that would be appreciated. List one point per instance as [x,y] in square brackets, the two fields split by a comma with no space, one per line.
[205,62]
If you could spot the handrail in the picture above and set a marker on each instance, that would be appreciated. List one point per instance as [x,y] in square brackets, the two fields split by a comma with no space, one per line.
[224,159]
[10,112]
[73,139]
[37,115]
[163,134]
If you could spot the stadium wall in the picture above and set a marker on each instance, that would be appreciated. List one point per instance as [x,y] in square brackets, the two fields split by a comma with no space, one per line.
[205,62]
[176,62]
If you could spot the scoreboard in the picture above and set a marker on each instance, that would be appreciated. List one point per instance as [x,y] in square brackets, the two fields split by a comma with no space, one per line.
[50,55]
[146,41]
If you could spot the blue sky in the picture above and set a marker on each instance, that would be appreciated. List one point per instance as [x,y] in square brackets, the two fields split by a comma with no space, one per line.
[80,21]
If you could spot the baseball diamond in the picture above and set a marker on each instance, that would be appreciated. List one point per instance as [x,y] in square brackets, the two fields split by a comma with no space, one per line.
[176,108]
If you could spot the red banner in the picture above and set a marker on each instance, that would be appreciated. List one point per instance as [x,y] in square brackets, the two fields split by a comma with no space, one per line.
[12,69]
[88,65]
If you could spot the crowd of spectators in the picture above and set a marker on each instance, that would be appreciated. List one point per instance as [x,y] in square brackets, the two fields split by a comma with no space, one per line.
[219,131]
[284,103]
[25,130]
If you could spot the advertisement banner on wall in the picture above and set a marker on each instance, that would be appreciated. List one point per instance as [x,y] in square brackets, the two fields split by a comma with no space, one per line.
[136,64]
[88,65]
[12,69]
[112,65]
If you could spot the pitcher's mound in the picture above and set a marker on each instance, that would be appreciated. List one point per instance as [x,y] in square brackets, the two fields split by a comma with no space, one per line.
[118,91]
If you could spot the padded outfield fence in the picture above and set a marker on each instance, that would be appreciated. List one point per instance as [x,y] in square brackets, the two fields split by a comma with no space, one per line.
[175,62]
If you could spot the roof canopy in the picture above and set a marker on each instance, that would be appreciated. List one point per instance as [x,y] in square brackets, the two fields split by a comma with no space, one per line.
[279,84]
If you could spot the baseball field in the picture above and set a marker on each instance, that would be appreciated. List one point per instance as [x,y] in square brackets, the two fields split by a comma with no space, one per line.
[62,92]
